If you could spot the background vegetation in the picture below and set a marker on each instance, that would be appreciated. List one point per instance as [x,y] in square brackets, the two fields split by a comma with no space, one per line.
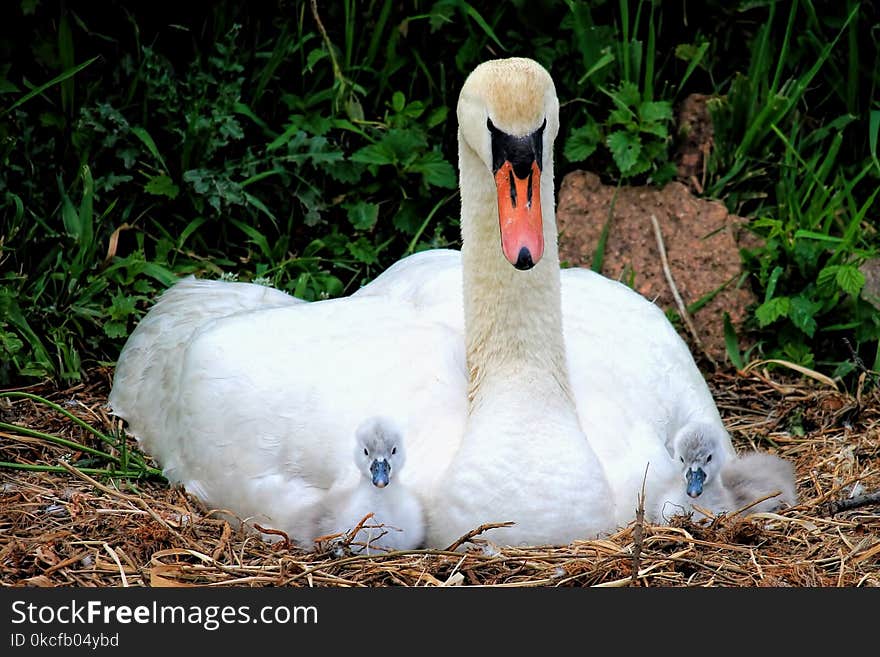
[251,141]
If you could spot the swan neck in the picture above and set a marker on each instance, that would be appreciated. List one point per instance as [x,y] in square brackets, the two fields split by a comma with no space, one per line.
[513,318]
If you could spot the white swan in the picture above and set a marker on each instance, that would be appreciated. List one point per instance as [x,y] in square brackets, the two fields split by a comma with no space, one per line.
[253,411]
[698,449]
[755,475]
[714,481]
[398,521]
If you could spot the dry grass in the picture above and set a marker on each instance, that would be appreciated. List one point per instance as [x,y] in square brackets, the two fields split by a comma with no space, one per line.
[66,529]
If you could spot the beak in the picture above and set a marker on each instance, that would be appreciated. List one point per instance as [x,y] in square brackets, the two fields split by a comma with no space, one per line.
[381,470]
[695,479]
[519,214]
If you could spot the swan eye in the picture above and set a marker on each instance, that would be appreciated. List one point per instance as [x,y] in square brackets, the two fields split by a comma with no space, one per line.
[366,452]
[680,458]
[393,451]
[709,460]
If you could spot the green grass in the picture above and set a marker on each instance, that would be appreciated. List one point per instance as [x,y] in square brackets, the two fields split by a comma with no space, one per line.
[118,462]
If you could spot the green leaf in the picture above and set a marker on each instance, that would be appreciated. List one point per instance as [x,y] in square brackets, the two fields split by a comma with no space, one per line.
[353,107]
[850,279]
[363,251]
[403,143]
[409,217]
[344,171]
[314,57]
[479,20]
[256,237]
[656,129]
[873,131]
[147,141]
[39,90]
[398,101]
[373,154]
[414,110]
[114,329]
[437,117]
[162,185]
[769,311]
[798,352]
[625,149]
[655,111]
[771,283]
[435,170]
[362,214]
[582,142]
[397,145]
[732,343]
[621,116]
[121,307]
[69,215]
[802,314]
[599,64]
[813,235]
[628,94]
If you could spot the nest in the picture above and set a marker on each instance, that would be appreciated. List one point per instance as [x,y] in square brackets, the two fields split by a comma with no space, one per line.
[70,528]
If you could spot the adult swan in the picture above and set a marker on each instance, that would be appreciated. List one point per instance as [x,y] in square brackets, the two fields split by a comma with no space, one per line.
[249,398]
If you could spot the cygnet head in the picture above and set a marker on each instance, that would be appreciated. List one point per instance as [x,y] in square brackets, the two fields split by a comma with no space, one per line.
[698,448]
[379,453]
[508,116]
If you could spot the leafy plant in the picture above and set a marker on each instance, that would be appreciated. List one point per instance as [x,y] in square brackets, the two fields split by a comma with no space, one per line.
[815,223]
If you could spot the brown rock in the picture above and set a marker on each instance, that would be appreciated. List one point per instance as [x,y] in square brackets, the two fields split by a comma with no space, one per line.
[702,244]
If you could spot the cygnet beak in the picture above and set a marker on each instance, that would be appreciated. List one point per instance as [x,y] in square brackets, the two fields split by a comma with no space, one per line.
[695,479]
[381,471]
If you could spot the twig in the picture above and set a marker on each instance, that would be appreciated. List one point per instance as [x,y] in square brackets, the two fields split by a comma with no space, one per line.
[835,507]
[127,498]
[274,532]
[476,532]
[639,532]
[748,506]
[337,70]
[682,308]
[115,558]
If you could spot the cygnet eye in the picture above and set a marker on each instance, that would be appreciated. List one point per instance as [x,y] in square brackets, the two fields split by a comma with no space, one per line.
[680,458]
[393,451]
[709,460]
[366,453]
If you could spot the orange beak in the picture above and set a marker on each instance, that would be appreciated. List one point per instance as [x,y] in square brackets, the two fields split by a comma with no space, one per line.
[519,214]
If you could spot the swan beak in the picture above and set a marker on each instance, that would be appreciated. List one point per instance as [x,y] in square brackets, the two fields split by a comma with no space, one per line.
[695,479]
[519,213]
[381,470]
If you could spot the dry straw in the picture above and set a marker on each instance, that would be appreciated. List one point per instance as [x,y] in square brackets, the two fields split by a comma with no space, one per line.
[72,529]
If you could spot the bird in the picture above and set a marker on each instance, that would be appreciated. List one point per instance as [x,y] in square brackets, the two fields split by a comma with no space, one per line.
[711,480]
[755,475]
[697,447]
[526,393]
[398,521]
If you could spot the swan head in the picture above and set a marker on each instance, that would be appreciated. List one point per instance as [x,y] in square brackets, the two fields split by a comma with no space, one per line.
[379,452]
[508,116]
[699,450]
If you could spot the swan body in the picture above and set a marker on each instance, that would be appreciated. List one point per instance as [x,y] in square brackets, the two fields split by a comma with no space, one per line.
[633,378]
[525,393]
[398,519]
[754,475]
